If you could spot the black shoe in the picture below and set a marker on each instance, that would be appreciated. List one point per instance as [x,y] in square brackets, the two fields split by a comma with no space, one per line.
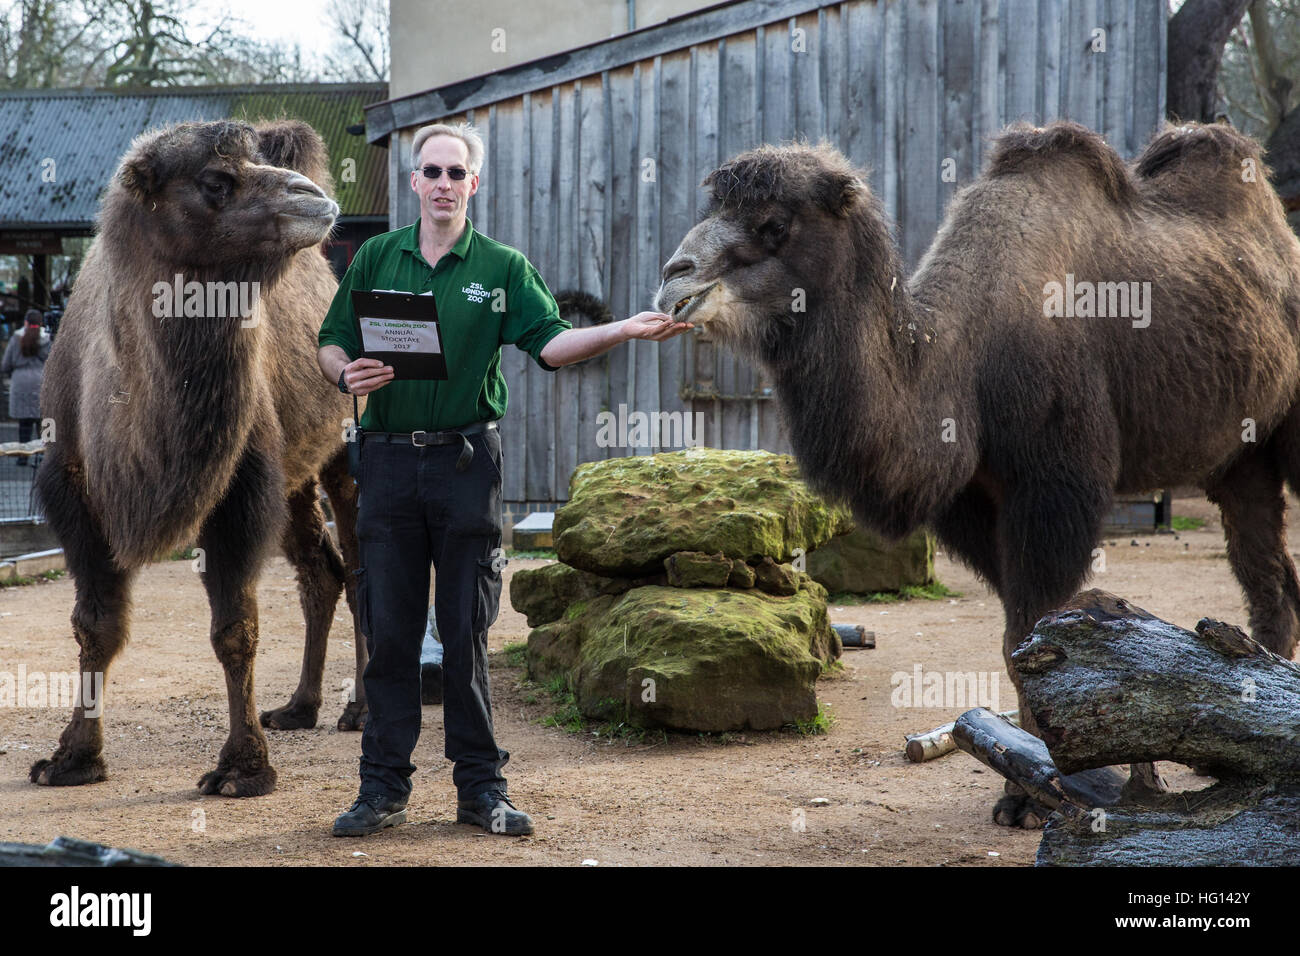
[370,814]
[494,812]
[430,683]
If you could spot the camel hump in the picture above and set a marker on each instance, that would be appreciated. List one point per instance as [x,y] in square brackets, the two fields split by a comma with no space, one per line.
[1024,148]
[293,144]
[1194,150]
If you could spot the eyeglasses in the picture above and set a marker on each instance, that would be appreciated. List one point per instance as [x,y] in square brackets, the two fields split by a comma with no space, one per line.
[456,173]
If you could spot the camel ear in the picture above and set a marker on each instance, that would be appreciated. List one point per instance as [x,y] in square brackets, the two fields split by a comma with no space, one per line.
[142,174]
[293,144]
[841,192]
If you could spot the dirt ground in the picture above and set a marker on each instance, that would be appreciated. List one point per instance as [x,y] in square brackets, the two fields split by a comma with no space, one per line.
[691,800]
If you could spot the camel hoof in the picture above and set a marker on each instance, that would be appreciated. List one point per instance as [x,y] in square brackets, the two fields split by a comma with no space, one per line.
[68,772]
[354,717]
[229,782]
[1020,811]
[289,717]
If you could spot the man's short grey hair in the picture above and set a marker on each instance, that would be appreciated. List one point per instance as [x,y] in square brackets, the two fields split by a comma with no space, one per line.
[464,132]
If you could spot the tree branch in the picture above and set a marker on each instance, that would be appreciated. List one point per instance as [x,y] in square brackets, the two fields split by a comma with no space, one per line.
[1196,34]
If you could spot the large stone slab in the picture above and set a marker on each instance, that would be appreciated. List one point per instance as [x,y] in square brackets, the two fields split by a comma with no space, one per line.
[863,562]
[625,515]
[542,594]
[691,659]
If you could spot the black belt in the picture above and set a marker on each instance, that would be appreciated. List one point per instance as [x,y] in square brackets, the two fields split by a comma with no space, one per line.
[451,436]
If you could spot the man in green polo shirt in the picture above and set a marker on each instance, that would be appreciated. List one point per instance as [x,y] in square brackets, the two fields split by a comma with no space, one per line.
[430,478]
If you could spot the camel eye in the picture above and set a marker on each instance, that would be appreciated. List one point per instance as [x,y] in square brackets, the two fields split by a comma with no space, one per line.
[772,232]
[215,186]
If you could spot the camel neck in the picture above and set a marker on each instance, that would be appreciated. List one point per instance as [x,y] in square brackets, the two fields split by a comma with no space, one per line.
[875,423]
[200,326]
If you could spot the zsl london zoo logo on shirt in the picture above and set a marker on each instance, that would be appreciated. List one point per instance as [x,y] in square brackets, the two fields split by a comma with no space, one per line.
[474,292]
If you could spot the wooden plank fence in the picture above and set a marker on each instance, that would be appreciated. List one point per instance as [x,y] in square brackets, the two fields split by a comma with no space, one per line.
[594,160]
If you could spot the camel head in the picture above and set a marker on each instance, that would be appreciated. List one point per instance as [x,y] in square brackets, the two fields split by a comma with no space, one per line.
[216,197]
[779,233]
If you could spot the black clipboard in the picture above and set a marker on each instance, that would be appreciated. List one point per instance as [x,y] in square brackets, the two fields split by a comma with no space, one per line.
[400,329]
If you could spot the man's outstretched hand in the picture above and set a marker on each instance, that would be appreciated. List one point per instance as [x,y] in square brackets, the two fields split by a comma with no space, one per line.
[655,326]
[574,345]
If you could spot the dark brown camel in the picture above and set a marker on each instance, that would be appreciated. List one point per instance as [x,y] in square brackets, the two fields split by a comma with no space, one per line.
[965,399]
[201,416]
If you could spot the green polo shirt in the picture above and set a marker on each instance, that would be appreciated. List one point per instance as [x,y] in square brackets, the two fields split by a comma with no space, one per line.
[475,320]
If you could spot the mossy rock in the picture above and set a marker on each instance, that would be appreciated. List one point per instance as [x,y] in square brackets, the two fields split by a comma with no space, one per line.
[863,562]
[626,515]
[694,569]
[691,659]
[742,575]
[543,594]
[781,579]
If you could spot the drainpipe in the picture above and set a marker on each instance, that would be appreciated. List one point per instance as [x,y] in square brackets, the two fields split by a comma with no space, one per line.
[631,15]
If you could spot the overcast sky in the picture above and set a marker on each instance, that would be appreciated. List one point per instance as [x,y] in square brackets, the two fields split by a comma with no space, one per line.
[305,22]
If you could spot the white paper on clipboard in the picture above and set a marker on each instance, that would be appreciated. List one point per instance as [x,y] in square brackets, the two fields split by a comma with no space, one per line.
[399,335]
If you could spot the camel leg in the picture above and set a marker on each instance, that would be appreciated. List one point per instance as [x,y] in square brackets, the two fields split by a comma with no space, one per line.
[234,540]
[100,624]
[342,491]
[1249,496]
[1045,539]
[320,573]
[968,529]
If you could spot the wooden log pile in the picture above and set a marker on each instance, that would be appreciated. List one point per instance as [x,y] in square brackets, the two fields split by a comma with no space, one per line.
[1107,683]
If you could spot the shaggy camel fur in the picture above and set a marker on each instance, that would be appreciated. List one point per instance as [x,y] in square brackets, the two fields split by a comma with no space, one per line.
[179,419]
[966,400]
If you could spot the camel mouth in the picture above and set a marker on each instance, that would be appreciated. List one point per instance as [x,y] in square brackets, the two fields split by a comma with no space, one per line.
[688,304]
[319,212]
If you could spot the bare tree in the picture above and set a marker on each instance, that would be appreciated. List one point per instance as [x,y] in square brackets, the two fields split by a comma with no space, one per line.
[361,52]
[154,50]
[141,43]
[1257,83]
[48,43]
[1197,33]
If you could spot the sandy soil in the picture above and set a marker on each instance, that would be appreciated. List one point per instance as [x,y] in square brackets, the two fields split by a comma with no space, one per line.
[691,800]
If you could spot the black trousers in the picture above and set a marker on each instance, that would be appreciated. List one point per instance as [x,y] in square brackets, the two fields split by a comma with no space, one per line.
[417,510]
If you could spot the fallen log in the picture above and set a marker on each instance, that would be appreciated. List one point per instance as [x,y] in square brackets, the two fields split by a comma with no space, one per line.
[938,742]
[1023,759]
[69,851]
[855,635]
[1229,824]
[1108,683]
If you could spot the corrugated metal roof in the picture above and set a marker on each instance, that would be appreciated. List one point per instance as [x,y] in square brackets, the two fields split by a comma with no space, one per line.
[61,146]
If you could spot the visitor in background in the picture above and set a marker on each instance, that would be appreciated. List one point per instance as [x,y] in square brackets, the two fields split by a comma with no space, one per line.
[24,363]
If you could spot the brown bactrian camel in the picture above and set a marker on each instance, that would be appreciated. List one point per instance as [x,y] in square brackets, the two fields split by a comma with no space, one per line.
[188,408]
[1078,328]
